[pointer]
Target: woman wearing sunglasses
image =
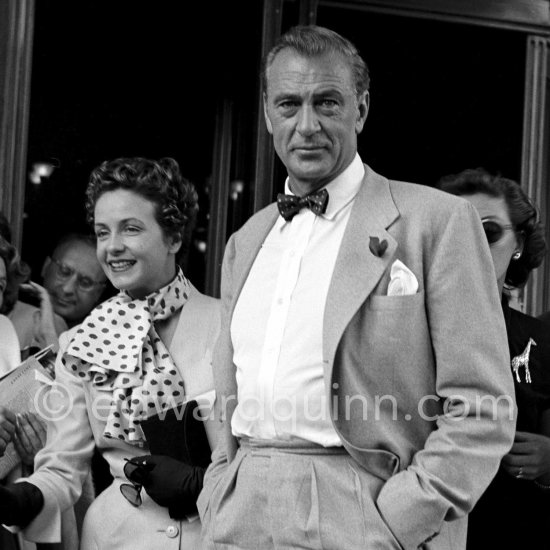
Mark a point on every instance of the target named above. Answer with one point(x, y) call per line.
point(515, 509)
point(137, 355)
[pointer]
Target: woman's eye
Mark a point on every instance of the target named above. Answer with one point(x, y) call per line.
point(101, 234)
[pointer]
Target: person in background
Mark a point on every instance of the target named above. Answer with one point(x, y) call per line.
point(36, 327)
point(514, 510)
point(341, 366)
point(73, 283)
point(26, 432)
point(12, 273)
point(140, 352)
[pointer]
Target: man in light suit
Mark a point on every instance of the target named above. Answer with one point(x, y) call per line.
point(362, 373)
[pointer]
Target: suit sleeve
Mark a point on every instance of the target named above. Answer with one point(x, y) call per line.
point(63, 464)
point(473, 379)
point(222, 368)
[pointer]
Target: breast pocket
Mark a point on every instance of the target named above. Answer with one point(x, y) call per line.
point(391, 303)
point(394, 341)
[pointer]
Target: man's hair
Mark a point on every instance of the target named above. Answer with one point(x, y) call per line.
point(314, 41)
point(74, 237)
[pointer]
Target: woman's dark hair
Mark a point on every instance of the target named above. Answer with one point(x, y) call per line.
point(17, 272)
point(522, 211)
point(175, 198)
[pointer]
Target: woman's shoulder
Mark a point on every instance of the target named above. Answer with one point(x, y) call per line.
point(203, 307)
point(208, 301)
point(524, 326)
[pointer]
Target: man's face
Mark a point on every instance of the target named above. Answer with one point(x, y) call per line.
point(74, 279)
point(314, 115)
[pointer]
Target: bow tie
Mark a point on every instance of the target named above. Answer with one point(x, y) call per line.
point(290, 205)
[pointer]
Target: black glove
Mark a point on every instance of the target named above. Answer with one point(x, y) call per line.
point(172, 484)
point(20, 503)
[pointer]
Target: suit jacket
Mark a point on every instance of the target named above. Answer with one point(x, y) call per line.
point(438, 350)
point(61, 467)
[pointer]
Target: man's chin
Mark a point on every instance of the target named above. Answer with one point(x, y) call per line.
point(64, 310)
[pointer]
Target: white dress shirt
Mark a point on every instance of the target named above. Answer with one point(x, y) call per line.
point(277, 325)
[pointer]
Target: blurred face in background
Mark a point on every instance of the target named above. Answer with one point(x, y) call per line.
point(74, 279)
point(495, 217)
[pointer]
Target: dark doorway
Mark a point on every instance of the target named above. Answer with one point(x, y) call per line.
point(444, 96)
point(130, 78)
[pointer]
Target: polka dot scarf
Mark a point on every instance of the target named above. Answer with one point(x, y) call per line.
point(119, 351)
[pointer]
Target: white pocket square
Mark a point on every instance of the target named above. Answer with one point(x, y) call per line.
point(402, 280)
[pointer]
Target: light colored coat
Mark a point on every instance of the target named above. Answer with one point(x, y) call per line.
point(61, 467)
point(417, 351)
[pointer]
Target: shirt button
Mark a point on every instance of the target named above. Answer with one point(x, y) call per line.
point(279, 301)
point(172, 531)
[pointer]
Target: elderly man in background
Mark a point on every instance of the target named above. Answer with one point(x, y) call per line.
point(73, 284)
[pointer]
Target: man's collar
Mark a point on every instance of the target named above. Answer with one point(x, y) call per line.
point(342, 189)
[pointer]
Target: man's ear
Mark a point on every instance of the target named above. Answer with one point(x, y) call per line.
point(267, 121)
point(45, 265)
point(362, 111)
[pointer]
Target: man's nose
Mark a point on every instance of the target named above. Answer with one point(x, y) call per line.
point(308, 122)
point(70, 285)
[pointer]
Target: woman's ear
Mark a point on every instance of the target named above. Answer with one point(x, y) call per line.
point(175, 243)
point(520, 242)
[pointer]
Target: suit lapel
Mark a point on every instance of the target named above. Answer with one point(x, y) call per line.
point(357, 269)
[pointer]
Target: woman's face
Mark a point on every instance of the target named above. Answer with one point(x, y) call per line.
point(3, 280)
point(131, 246)
point(495, 209)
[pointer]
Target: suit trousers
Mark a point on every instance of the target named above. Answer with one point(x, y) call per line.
point(283, 495)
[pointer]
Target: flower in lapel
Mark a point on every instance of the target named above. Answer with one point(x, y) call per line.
point(377, 246)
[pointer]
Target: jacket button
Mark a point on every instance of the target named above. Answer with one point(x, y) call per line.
point(172, 531)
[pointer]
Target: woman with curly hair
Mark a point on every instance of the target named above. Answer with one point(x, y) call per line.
point(514, 511)
point(139, 354)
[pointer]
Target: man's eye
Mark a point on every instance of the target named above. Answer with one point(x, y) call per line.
point(328, 103)
point(86, 283)
point(101, 233)
point(286, 105)
point(131, 229)
point(65, 271)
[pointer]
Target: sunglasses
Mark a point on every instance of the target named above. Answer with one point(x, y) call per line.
point(134, 470)
point(494, 230)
